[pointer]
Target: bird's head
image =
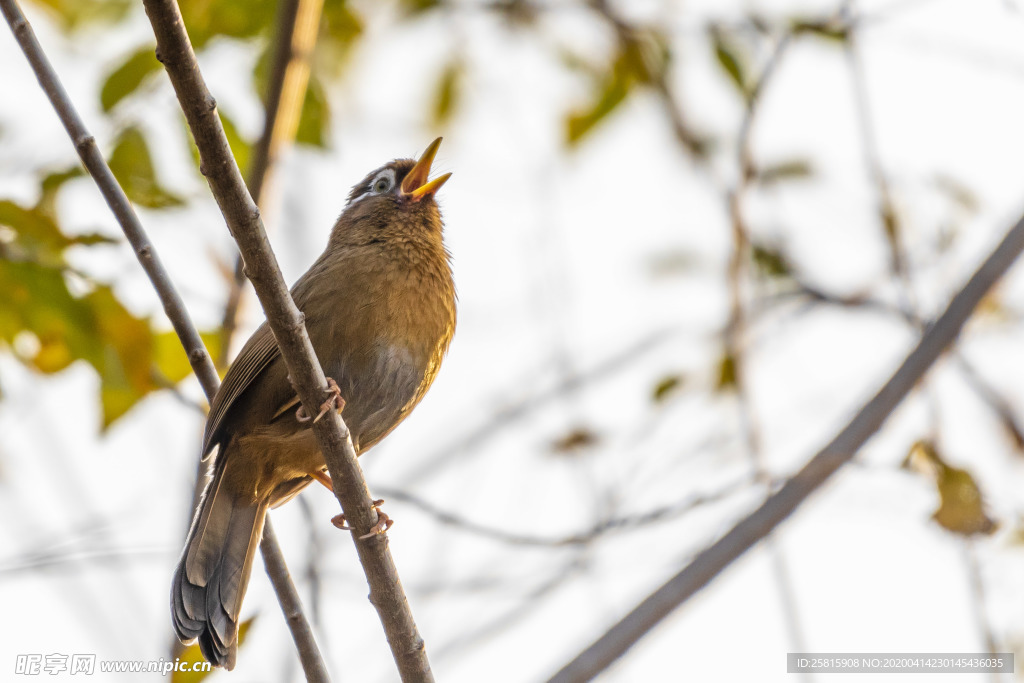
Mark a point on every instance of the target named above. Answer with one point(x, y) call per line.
point(398, 195)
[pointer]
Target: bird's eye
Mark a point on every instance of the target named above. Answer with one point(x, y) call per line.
point(383, 182)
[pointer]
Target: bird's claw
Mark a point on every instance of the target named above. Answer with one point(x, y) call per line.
point(384, 522)
point(334, 401)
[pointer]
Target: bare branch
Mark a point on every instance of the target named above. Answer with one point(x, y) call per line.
point(312, 662)
point(710, 563)
point(662, 513)
point(736, 327)
point(173, 305)
point(286, 322)
point(297, 23)
point(93, 161)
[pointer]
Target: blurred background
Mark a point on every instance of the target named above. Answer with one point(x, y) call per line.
point(690, 239)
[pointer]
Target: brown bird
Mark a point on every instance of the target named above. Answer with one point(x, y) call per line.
point(379, 305)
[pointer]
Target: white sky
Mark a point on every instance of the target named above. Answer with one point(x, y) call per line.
point(552, 257)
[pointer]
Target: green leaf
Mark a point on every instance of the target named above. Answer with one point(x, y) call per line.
point(125, 363)
point(792, 169)
point(731, 61)
point(36, 235)
point(340, 24)
point(95, 328)
point(770, 261)
point(640, 60)
point(125, 79)
point(75, 14)
point(340, 30)
point(835, 31)
point(241, 148)
point(207, 19)
point(133, 167)
point(413, 7)
point(192, 654)
point(726, 372)
point(314, 122)
point(447, 92)
point(579, 123)
point(666, 387)
point(51, 184)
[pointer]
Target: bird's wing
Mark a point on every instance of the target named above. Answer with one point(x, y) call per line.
point(259, 352)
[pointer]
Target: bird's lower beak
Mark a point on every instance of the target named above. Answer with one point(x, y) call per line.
point(415, 184)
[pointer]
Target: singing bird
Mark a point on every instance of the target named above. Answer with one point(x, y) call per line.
point(379, 306)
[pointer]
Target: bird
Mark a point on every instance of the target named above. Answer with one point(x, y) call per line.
point(380, 309)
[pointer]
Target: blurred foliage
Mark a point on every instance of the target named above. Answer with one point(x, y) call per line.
point(574, 441)
point(961, 507)
point(791, 169)
point(640, 58)
point(770, 261)
point(128, 77)
point(447, 92)
point(667, 387)
point(49, 324)
point(733, 60)
point(726, 372)
point(72, 15)
point(132, 165)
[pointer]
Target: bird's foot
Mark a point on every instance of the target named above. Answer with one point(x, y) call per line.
point(324, 478)
point(384, 522)
point(334, 401)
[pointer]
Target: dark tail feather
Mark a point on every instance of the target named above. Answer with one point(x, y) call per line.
point(213, 572)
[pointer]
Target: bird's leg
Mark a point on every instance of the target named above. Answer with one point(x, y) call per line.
point(333, 401)
point(384, 522)
point(324, 478)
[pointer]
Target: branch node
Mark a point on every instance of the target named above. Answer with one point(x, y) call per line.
point(83, 142)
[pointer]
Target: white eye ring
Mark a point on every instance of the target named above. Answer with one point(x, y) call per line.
point(383, 182)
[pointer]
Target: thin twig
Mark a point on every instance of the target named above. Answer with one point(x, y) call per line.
point(473, 440)
point(661, 513)
point(92, 159)
point(735, 331)
point(710, 563)
point(295, 36)
point(302, 633)
point(286, 322)
point(173, 305)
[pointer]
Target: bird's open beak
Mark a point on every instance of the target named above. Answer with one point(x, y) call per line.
point(415, 184)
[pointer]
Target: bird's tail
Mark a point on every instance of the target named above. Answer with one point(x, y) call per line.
point(213, 572)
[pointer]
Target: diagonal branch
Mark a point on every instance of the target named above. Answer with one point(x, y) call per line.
point(173, 305)
point(710, 563)
point(295, 35)
point(243, 220)
point(93, 161)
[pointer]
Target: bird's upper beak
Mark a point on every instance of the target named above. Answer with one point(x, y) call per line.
point(415, 184)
